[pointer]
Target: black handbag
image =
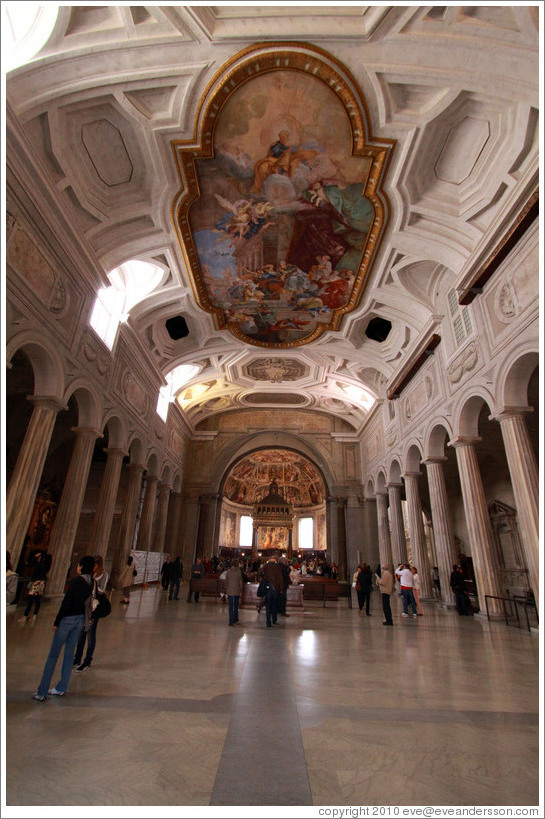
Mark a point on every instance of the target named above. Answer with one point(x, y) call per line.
point(262, 587)
point(104, 607)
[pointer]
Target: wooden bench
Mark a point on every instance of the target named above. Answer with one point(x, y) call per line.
point(321, 588)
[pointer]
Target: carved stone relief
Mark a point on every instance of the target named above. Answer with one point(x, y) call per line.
point(93, 352)
point(134, 393)
point(465, 362)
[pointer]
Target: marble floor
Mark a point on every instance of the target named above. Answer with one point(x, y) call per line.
point(327, 708)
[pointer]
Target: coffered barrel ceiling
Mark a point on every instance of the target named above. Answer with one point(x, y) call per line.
point(153, 125)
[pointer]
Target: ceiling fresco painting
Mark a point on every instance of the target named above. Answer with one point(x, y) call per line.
point(281, 212)
point(299, 481)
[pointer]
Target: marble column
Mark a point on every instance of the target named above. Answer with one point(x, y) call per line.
point(25, 480)
point(332, 530)
point(172, 546)
point(341, 528)
point(524, 473)
point(66, 522)
point(370, 552)
point(145, 529)
point(104, 513)
point(161, 518)
point(416, 533)
point(442, 526)
point(128, 520)
point(384, 542)
point(399, 544)
point(481, 539)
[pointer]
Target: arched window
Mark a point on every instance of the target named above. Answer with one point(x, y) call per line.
point(130, 283)
point(306, 533)
point(175, 379)
point(246, 531)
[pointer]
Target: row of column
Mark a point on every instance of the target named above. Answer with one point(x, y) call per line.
point(523, 470)
point(157, 513)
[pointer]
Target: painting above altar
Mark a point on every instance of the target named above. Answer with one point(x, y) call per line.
point(281, 233)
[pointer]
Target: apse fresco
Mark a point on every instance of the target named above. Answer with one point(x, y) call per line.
point(272, 537)
point(299, 482)
point(286, 220)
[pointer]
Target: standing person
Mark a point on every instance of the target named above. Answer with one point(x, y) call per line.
point(101, 579)
point(176, 573)
point(233, 588)
point(197, 571)
point(458, 585)
point(126, 579)
point(386, 584)
point(436, 580)
point(366, 583)
point(73, 615)
point(407, 584)
point(416, 590)
point(37, 587)
point(283, 596)
point(356, 583)
point(274, 583)
point(165, 574)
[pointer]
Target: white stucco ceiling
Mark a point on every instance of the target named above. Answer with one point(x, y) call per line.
point(456, 87)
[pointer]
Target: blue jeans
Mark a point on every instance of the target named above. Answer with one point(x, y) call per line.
point(66, 635)
point(407, 596)
point(91, 637)
point(233, 601)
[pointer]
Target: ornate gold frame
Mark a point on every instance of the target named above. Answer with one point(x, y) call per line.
point(249, 63)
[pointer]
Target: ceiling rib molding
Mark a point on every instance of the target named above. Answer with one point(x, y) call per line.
point(416, 359)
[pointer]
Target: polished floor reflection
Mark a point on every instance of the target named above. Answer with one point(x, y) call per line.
point(326, 708)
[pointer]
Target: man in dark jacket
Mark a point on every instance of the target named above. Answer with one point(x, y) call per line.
point(283, 597)
point(74, 614)
point(176, 573)
point(274, 585)
point(165, 573)
point(458, 585)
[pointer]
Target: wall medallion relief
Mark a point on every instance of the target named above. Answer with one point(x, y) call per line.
point(134, 393)
point(93, 352)
point(466, 362)
point(506, 302)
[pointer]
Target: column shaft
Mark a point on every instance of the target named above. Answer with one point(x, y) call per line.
point(25, 480)
point(104, 513)
point(173, 524)
point(416, 533)
point(68, 513)
point(384, 542)
point(399, 544)
point(161, 518)
point(524, 473)
point(479, 528)
point(148, 513)
point(442, 527)
point(128, 520)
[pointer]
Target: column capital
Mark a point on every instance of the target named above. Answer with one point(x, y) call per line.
point(434, 459)
point(164, 487)
point(135, 467)
point(464, 440)
point(394, 485)
point(510, 412)
point(411, 474)
point(381, 493)
point(48, 402)
point(116, 451)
